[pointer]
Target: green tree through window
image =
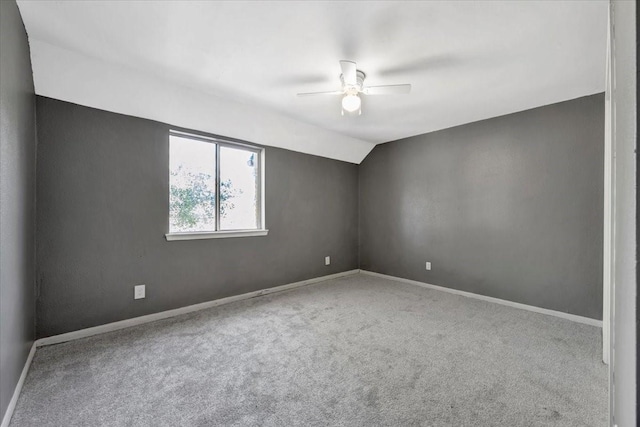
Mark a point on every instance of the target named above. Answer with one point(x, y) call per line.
point(194, 202)
point(201, 170)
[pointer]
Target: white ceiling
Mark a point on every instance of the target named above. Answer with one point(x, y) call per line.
point(233, 68)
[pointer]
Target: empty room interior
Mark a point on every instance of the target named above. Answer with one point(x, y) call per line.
point(313, 213)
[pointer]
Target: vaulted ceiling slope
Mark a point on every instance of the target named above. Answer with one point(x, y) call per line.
point(234, 68)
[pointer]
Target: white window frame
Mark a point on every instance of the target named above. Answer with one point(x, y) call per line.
point(221, 234)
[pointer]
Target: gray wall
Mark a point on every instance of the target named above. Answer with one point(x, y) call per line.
point(103, 185)
point(509, 207)
point(17, 200)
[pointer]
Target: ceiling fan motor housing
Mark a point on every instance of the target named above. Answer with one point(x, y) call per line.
point(360, 76)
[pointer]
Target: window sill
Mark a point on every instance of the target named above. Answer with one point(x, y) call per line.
point(215, 235)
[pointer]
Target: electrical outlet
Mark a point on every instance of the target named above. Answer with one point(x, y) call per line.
point(327, 260)
point(139, 292)
point(428, 265)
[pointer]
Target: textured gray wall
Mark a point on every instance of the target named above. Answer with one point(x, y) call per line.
point(637, 210)
point(103, 185)
point(509, 207)
point(17, 201)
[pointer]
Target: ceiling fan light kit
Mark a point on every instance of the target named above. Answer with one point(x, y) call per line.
point(352, 81)
point(351, 103)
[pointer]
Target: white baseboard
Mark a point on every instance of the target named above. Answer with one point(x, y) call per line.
point(110, 327)
point(16, 392)
point(573, 317)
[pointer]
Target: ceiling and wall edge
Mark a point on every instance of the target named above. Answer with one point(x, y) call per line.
point(186, 65)
point(69, 76)
point(62, 74)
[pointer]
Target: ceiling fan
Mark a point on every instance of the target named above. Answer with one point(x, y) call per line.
point(353, 85)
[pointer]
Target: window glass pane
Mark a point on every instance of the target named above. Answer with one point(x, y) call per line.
point(192, 185)
point(238, 189)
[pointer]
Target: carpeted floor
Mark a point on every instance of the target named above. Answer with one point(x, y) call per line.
point(356, 351)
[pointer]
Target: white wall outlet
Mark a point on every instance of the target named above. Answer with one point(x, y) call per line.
point(428, 265)
point(327, 260)
point(139, 292)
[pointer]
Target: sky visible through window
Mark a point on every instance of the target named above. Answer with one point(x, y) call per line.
point(239, 167)
point(193, 187)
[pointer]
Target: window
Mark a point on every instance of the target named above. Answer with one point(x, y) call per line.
point(215, 188)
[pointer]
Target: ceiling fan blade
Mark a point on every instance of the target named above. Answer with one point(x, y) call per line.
point(386, 89)
point(349, 72)
point(333, 92)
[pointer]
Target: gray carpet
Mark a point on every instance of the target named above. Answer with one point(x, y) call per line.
point(356, 351)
